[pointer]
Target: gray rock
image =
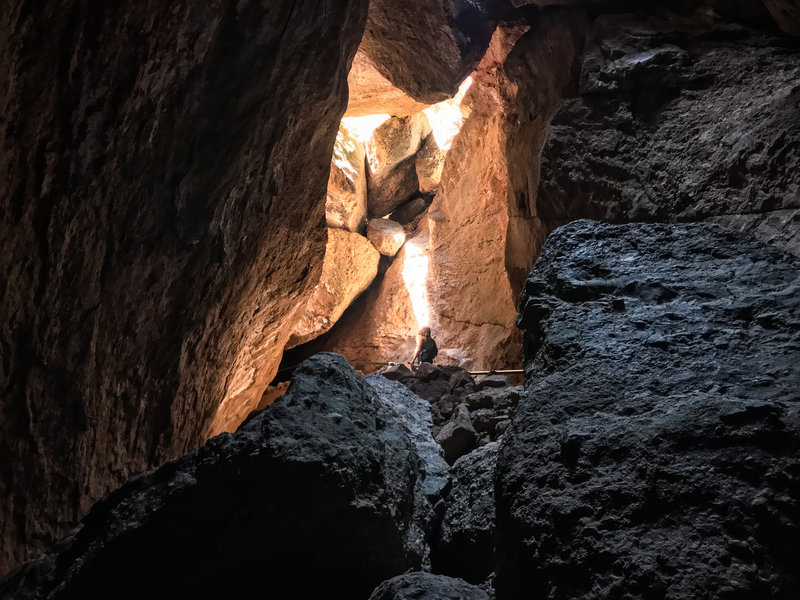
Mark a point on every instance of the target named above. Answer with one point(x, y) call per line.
point(668, 470)
point(460, 379)
point(426, 586)
point(414, 414)
point(323, 482)
point(457, 437)
point(397, 372)
point(466, 544)
point(778, 227)
point(482, 420)
point(492, 381)
point(500, 398)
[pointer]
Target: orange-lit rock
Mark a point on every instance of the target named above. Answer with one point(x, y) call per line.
point(371, 93)
point(429, 165)
point(386, 235)
point(351, 263)
point(394, 141)
point(346, 206)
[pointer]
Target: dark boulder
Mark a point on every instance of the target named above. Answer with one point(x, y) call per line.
point(324, 482)
point(426, 586)
point(656, 453)
point(457, 436)
point(466, 545)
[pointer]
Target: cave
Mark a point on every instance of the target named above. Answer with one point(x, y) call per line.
point(225, 225)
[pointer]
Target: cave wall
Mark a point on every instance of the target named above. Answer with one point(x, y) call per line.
point(162, 189)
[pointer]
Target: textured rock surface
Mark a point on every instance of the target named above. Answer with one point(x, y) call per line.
point(428, 47)
point(386, 235)
point(675, 121)
point(394, 141)
point(350, 265)
point(392, 189)
point(414, 414)
point(657, 451)
point(429, 165)
point(778, 227)
point(786, 14)
point(151, 187)
point(372, 94)
point(325, 479)
point(409, 211)
point(346, 204)
point(466, 545)
point(426, 586)
point(457, 436)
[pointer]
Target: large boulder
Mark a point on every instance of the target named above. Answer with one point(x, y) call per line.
point(161, 231)
point(350, 266)
point(395, 140)
point(466, 544)
point(428, 47)
point(427, 586)
point(669, 126)
point(372, 94)
point(346, 204)
point(325, 482)
point(657, 450)
point(386, 235)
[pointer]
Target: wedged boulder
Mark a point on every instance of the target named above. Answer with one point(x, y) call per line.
point(656, 452)
point(429, 165)
point(427, 586)
point(161, 231)
point(427, 48)
point(409, 211)
point(669, 127)
point(372, 94)
point(394, 141)
point(457, 436)
point(466, 545)
point(346, 204)
point(350, 266)
point(386, 235)
point(323, 482)
point(392, 189)
point(414, 414)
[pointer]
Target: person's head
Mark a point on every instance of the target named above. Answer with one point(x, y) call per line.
point(425, 332)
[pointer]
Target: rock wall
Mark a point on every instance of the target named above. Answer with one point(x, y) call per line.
point(655, 452)
point(160, 230)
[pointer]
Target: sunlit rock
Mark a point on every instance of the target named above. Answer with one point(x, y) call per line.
point(386, 235)
point(371, 93)
point(429, 164)
point(350, 265)
point(394, 141)
point(346, 204)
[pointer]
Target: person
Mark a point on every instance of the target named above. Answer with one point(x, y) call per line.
point(426, 347)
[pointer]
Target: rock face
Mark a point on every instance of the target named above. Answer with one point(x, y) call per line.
point(657, 451)
point(151, 187)
point(346, 204)
point(675, 121)
point(426, 586)
point(786, 14)
point(325, 479)
point(428, 47)
point(466, 544)
point(350, 265)
point(386, 235)
point(372, 94)
point(780, 228)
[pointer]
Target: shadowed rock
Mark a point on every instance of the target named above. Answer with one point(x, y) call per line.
point(426, 586)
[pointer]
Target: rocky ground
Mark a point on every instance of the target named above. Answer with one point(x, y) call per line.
point(653, 453)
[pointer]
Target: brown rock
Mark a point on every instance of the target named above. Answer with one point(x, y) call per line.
point(386, 235)
point(160, 230)
point(786, 13)
point(409, 211)
point(428, 47)
point(350, 266)
point(371, 93)
point(394, 141)
point(393, 189)
point(429, 164)
point(346, 206)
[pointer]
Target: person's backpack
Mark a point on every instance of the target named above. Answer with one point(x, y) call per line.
point(429, 349)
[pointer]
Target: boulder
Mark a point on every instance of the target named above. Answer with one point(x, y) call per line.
point(492, 381)
point(428, 47)
point(656, 452)
point(346, 204)
point(323, 481)
point(457, 437)
point(161, 231)
point(394, 141)
point(372, 94)
point(778, 227)
point(466, 545)
point(392, 189)
point(429, 164)
point(498, 398)
point(786, 14)
point(414, 414)
point(410, 210)
point(386, 235)
point(697, 130)
point(350, 266)
point(427, 586)
point(397, 372)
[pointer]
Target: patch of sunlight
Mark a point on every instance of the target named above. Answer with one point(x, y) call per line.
point(446, 118)
point(415, 276)
point(361, 128)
